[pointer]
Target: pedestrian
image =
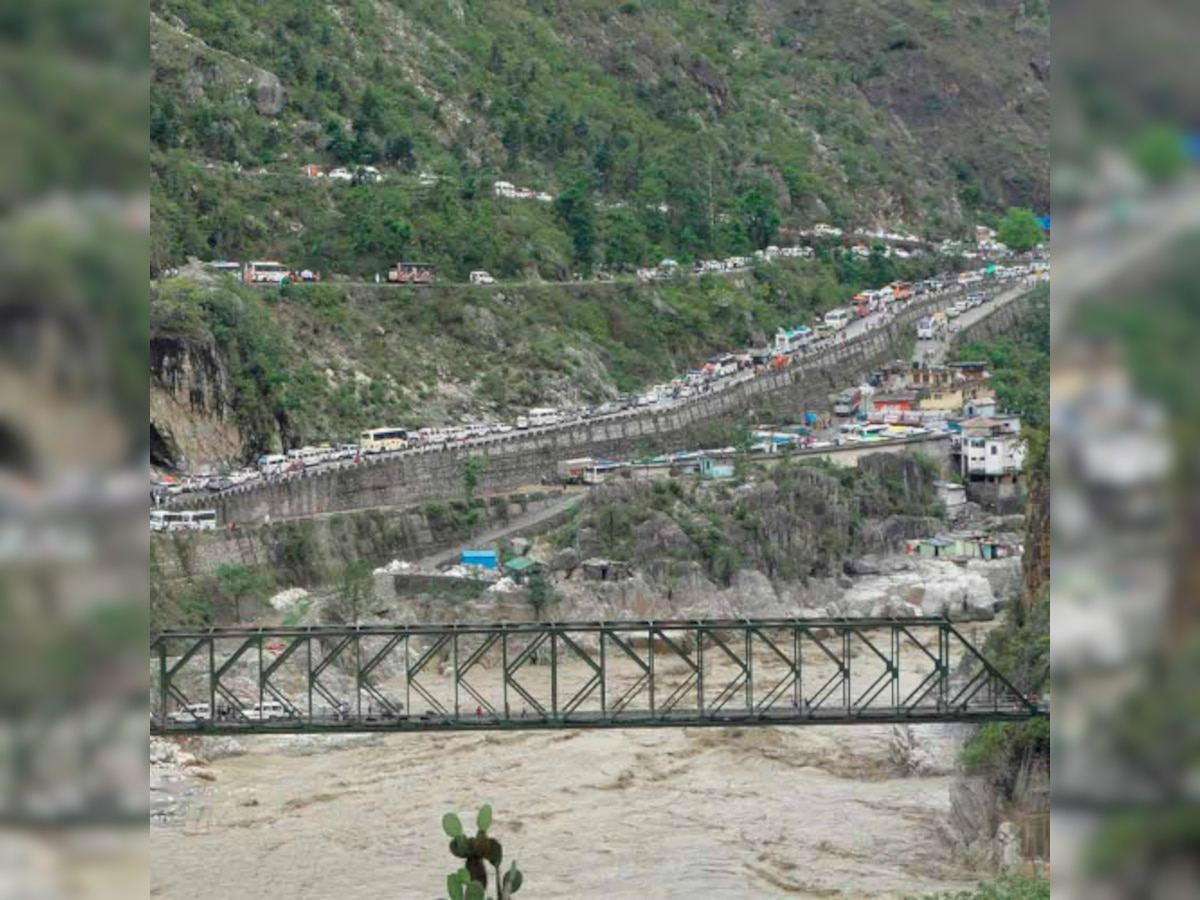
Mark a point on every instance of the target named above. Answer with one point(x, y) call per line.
point(479, 712)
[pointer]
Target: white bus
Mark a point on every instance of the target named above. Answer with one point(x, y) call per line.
point(266, 272)
point(383, 440)
point(837, 319)
point(164, 519)
point(543, 416)
point(195, 520)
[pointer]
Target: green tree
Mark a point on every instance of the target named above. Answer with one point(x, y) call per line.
point(238, 584)
point(577, 212)
point(541, 593)
point(1019, 230)
point(759, 213)
point(471, 470)
point(1160, 153)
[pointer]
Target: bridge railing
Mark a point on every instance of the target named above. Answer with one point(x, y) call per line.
point(575, 675)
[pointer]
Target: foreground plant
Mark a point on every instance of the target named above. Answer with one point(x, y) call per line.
point(471, 881)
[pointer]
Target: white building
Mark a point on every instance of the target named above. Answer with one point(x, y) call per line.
point(981, 406)
point(992, 450)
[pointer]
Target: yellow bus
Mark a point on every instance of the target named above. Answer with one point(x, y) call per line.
point(383, 440)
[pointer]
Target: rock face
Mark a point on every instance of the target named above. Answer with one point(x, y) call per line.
point(974, 819)
point(191, 413)
point(270, 97)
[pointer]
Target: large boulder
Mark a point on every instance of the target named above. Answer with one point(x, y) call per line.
point(269, 94)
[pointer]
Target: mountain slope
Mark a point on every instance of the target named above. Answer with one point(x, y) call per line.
point(738, 116)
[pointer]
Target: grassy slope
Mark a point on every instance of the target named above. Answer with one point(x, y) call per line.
point(858, 111)
point(434, 355)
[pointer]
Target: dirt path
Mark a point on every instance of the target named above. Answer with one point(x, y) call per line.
point(515, 526)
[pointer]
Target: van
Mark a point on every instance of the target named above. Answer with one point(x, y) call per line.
point(190, 714)
point(271, 462)
point(481, 277)
point(266, 711)
point(837, 319)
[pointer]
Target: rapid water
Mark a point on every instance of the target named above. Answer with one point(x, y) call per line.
point(715, 813)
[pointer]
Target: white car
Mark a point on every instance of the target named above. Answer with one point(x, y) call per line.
point(482, 277)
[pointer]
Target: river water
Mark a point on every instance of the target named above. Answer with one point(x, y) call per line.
point(756, 812)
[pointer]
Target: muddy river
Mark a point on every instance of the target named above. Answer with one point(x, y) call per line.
point(756, 812)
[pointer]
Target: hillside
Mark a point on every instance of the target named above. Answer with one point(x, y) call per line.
point(237, 371)
point(663, 127)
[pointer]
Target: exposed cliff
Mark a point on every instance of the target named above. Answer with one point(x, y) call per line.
point(191, 416)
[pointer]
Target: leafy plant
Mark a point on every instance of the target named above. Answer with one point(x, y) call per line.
point(470, 882)
point(471, 470)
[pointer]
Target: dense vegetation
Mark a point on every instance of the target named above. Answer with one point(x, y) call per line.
point(1020, 365)
point(663, 127)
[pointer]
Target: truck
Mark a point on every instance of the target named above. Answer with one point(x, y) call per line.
point(847, 402)
point(574, 471)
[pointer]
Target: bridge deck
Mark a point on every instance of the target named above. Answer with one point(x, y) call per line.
point(531, 676)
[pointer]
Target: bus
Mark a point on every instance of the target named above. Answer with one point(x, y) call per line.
point(383, 440)
point(165, 520)
point(544, 416)
point(195, 520)
point(837, 319)
point(266, 273)
point(412, 273)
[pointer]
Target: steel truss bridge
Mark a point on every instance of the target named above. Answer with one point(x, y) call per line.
point(628, 674)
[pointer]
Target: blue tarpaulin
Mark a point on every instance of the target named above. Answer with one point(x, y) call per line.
point(1044, 221)
point(486, 559)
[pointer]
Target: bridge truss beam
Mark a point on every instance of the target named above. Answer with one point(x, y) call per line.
point(626, 674)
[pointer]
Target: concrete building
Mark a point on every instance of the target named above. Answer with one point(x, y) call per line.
point(991, 458)
point(981, 406)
